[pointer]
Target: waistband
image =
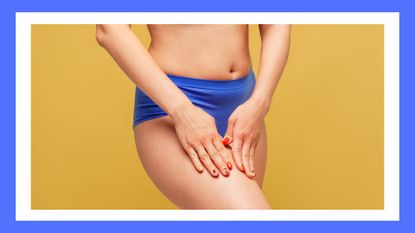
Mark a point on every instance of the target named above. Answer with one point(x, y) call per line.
point(213, 84)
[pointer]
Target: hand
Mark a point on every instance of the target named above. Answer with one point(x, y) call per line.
point(244, 126)
point(199, 137)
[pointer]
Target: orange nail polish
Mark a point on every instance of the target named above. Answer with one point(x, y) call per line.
point(229, 165)
point(227, 173)
point(225, 141)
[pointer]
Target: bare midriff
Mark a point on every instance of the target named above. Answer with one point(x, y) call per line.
point(215, 52)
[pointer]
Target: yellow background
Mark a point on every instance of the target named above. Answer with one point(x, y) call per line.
point(325, 126)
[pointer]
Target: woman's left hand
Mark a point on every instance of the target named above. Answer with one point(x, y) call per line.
point(244, 126)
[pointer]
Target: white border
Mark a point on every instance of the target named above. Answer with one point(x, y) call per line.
point(23, 113)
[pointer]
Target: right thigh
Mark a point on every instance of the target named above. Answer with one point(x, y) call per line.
point(171, 170)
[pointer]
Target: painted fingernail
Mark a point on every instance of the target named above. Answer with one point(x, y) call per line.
point(243, 168)
point(214, 172)
point(229, 165)
point(225, 141)
point(226, 172)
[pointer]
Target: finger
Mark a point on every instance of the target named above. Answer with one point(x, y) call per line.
point(237, 153)
point(195, 159)
point(251, 159)
point(216, 157)
point(228, 138)
point(205, 159)
point(226, 141)
point(245, 157)
point(226, 156)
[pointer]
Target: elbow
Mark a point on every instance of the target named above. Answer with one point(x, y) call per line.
point(100, 35)
point(276, 29)
point(106, 31)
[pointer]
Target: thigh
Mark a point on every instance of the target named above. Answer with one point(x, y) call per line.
point(260, 156)
point(172, 172)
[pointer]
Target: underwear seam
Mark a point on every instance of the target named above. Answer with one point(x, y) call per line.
point(159, 114)
point(206, 88)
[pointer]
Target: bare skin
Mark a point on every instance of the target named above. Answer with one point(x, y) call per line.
point(173, 173)
point(188, 135)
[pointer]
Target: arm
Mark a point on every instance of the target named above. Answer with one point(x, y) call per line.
point(195, 128)
point(245, 122)
point(133, 58)
point(274, 54)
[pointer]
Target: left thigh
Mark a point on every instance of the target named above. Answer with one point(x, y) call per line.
point(173, 173)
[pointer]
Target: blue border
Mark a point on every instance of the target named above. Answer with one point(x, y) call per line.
point(7, 113)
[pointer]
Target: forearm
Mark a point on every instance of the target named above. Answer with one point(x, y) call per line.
point(274, 54)
point(136, 62)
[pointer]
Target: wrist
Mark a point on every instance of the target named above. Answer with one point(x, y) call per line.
point(176, 108)
point(261, 102)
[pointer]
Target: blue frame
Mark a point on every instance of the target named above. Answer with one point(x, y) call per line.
point(7, 114)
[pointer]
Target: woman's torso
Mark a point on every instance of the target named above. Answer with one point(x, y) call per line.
point(217, 52)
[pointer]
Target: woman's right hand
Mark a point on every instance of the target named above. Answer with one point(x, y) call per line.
point(197, 133)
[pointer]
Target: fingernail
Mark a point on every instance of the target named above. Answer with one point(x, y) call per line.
point(200, 169)
point(243, 168)
point(214, 172)
point(225, 141)
point(253, 172)
point(229, 165)
point(226, 172)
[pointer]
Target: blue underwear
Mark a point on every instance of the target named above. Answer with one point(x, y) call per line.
point(219, 98)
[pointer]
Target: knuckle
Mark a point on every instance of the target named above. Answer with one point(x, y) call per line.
point(192, 143)
point(221, 150)
point(238, 149)
point(212, 133)
point(246, 159)
point(248, 139)
point(208, 135)
point(203, 156)
point(192, 155)
point(245, 153)
point(203, 138)
point(240, 134)
point(225, 153)
point(186, 146)
point(214, 155)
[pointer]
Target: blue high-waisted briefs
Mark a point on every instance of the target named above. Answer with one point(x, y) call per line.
point(219, 98)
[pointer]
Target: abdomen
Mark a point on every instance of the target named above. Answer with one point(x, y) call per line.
point(217, 52)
